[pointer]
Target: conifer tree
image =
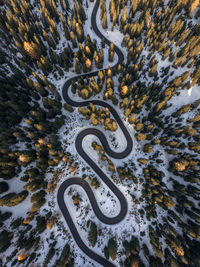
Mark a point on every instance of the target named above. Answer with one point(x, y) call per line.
point(112, 248)
point(65, 254)
point(105, 21)
point(124, 16)
point(92, 236)
point(77, 66)
point(32, 50)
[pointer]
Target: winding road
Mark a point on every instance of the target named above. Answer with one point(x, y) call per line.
point(91, 163)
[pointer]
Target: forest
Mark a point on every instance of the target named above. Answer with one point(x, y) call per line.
point(140, 80)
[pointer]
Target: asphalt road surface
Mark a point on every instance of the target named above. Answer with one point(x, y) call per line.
point(78, 143)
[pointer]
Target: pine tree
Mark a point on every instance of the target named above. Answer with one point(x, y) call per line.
point(124, 16)
point(103, 42)
point(111, 52)
point(196, 76)
point(38, 204)
point(40, 89)
point(88, 65)
point(153, 70)
point(3, 187)
point(73, 39)
point(105, 21)
point(92, 235)
point(32, 50)
point(12, 199)
point(77, 66)
point(37, 196)
point(112, 248)
point(68, 107)
point(192, 6)
point(64, 257)
point(80, 33)
point(5, 238)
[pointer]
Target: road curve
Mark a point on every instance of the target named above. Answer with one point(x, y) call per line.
point(91, 163)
